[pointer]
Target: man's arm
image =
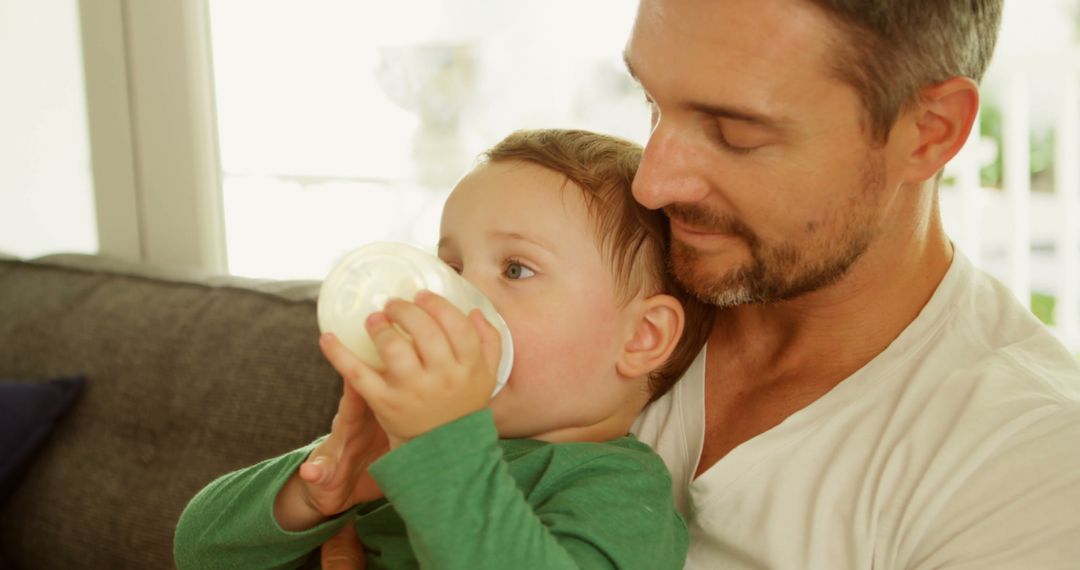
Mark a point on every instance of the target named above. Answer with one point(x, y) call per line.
point(343, 551)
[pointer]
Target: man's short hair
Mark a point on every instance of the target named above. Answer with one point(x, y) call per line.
point(892, 49)
point(633, 239)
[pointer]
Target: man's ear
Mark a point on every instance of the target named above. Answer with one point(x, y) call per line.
point(939, 126)
point(657, 327)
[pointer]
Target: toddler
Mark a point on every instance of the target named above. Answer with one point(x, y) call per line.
point(543, 475)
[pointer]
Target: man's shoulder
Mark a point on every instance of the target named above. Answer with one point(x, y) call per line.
point(992, 339)
point(1034, 364)
point(1003, 394)
point(1033, 377)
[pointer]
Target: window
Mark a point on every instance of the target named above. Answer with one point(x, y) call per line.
point(46, 189)
point(1012, 196)
point(342, 123)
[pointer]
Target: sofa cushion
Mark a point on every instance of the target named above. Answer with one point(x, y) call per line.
point(187, 378)
point(28, 411)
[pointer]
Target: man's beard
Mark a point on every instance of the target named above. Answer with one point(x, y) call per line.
point(775, 271)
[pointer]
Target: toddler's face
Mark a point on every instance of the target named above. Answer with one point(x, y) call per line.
point(523, 235)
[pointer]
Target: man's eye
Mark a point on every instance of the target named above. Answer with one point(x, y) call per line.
point(736, 149)
point(738, 137)
point(517, 270)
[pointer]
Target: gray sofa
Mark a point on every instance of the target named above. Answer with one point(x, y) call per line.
point(187, 378)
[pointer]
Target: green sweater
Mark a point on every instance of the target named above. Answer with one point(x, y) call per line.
point(459, 498)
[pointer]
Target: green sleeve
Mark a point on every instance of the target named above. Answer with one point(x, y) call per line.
point(463, 508)
point(231, 524)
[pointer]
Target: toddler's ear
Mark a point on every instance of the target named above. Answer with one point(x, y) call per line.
point(657, 326)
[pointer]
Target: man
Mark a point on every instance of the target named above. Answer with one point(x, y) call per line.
point(867, 399)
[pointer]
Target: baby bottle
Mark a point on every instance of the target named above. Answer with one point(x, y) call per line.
point(369, 276)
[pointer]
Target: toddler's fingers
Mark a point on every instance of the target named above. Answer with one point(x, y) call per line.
point(341, 358)
point(367, 382)
point(397, 352)
point(490, 342)
point(461, 335)
point(428, 337)
point(357, 375)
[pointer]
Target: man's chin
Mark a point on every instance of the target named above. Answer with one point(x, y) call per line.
point(723, 296)
point(699, 279)
point(703, 275)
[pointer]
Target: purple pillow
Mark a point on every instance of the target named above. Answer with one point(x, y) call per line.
point(28, 412)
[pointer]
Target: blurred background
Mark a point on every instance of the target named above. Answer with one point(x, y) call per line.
point(266, 138)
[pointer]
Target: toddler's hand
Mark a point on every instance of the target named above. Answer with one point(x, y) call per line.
point(446, 370)
point(335, 475)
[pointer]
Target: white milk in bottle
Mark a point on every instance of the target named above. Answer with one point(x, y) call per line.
point(369, 276)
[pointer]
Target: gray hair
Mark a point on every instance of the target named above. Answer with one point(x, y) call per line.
point(892, 49)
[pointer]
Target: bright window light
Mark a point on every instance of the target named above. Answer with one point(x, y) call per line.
point(342, 123)
point(46, 186)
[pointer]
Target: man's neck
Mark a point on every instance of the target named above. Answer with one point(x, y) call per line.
point(768, 361)
point(844, 325)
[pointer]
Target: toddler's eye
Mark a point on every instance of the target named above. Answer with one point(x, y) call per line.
point(517, 270)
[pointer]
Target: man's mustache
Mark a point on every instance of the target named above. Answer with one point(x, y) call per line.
point(702, 219)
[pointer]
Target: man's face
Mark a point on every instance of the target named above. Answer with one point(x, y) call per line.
point(760, 157)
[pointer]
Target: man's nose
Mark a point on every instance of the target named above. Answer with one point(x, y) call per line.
point(668, 172)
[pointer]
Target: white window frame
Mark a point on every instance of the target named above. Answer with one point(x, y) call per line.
point(153, 132)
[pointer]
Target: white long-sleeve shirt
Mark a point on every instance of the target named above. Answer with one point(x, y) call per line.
point(956, 447)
